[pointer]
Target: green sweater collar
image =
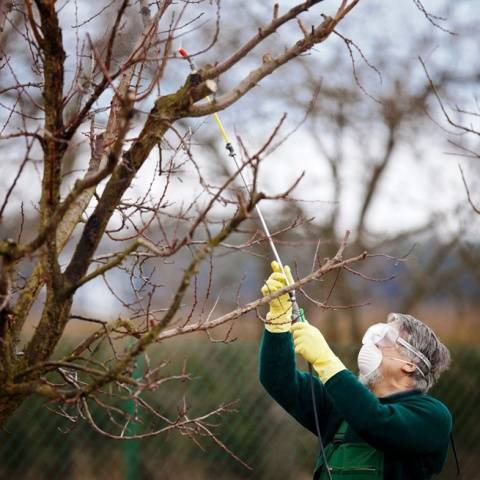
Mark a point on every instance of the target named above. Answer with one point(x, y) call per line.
point(395, 397)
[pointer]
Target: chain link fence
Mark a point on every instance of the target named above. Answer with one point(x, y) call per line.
point(37, 444)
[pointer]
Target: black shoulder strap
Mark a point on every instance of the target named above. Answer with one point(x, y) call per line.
point(455, 455)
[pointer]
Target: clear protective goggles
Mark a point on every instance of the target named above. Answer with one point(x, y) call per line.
point(385, 335)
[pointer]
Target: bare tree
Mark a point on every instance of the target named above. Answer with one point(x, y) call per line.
point(99, 213)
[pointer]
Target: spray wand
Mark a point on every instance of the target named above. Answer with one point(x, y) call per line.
point(297, 312)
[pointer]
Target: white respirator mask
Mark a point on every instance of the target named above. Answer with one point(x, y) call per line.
point(369, 359)
point(370, 356)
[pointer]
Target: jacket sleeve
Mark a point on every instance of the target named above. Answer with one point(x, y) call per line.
point(290, 387)
point(419, 424)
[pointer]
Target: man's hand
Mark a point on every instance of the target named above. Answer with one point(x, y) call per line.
point(312, 346)
point(279, 317)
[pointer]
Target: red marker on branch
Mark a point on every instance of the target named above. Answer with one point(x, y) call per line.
point(183, 53)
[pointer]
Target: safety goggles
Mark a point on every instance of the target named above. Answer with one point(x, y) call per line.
point(384, 335)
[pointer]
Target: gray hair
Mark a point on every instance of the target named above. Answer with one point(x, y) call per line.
point(423, 338)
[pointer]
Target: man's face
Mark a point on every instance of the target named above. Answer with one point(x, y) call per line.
point(394, 364)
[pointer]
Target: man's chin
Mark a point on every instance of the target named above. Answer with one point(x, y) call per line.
point(370, 380)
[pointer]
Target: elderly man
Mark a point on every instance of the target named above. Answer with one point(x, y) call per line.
point(381, 425)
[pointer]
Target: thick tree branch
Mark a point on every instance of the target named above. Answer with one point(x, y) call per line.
point(55, 317)
point(29, 388)
point(262, 34)
point(166, 110)
point(51, 44)
point(316, 36)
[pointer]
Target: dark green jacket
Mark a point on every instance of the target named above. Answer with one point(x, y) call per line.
point(412, 429)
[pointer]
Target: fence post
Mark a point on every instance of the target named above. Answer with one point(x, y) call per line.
point(131, 448)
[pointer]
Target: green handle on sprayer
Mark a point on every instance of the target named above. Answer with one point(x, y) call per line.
point(301, 315)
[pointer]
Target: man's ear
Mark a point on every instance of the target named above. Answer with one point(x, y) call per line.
point(409, 368)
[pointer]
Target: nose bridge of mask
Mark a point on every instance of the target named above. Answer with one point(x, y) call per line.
point(380, 334)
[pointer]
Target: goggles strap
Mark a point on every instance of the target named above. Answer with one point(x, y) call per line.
point(406, 361)
point(413, 350)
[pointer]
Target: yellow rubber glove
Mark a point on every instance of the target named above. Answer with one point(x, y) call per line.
point(312, 346)
point(279, 317)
